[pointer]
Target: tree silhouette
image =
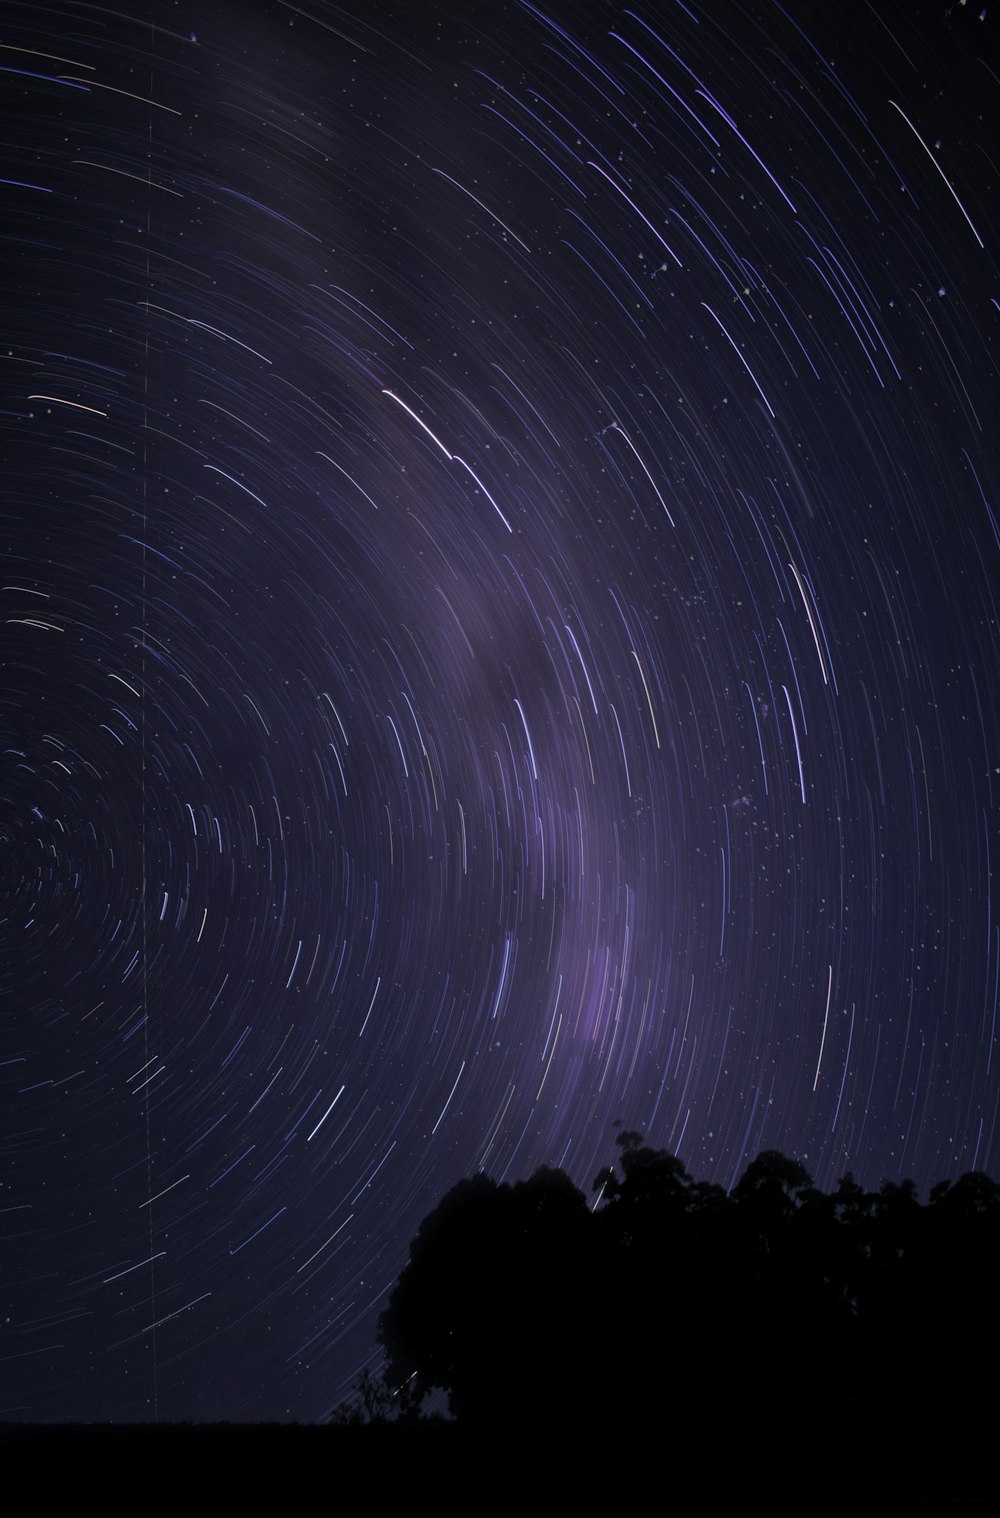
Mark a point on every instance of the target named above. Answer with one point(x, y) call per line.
point(373, 1400)
point(670, 1297)
point(487, 1306)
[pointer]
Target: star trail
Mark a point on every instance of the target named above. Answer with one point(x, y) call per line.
point(500, 559)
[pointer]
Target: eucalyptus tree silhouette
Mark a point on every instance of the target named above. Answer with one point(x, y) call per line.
point(489, 1306)
point(671, 1300)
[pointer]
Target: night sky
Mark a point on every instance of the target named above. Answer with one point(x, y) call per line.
point(500, 531)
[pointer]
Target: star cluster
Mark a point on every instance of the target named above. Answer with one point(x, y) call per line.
point(499, 636)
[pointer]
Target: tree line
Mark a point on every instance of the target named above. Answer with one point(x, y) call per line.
point(668, 1300)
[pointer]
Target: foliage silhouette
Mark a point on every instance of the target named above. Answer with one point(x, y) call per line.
point(374, 1401)
point(532, 1310)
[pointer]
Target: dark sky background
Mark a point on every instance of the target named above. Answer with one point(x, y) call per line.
point(500, 530)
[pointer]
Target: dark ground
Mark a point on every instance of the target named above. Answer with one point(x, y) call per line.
point(861, 1458)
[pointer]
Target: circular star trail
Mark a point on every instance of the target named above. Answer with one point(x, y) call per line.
point(500, 548)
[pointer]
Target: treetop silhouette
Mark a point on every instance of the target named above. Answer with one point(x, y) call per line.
point(529, 1308)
